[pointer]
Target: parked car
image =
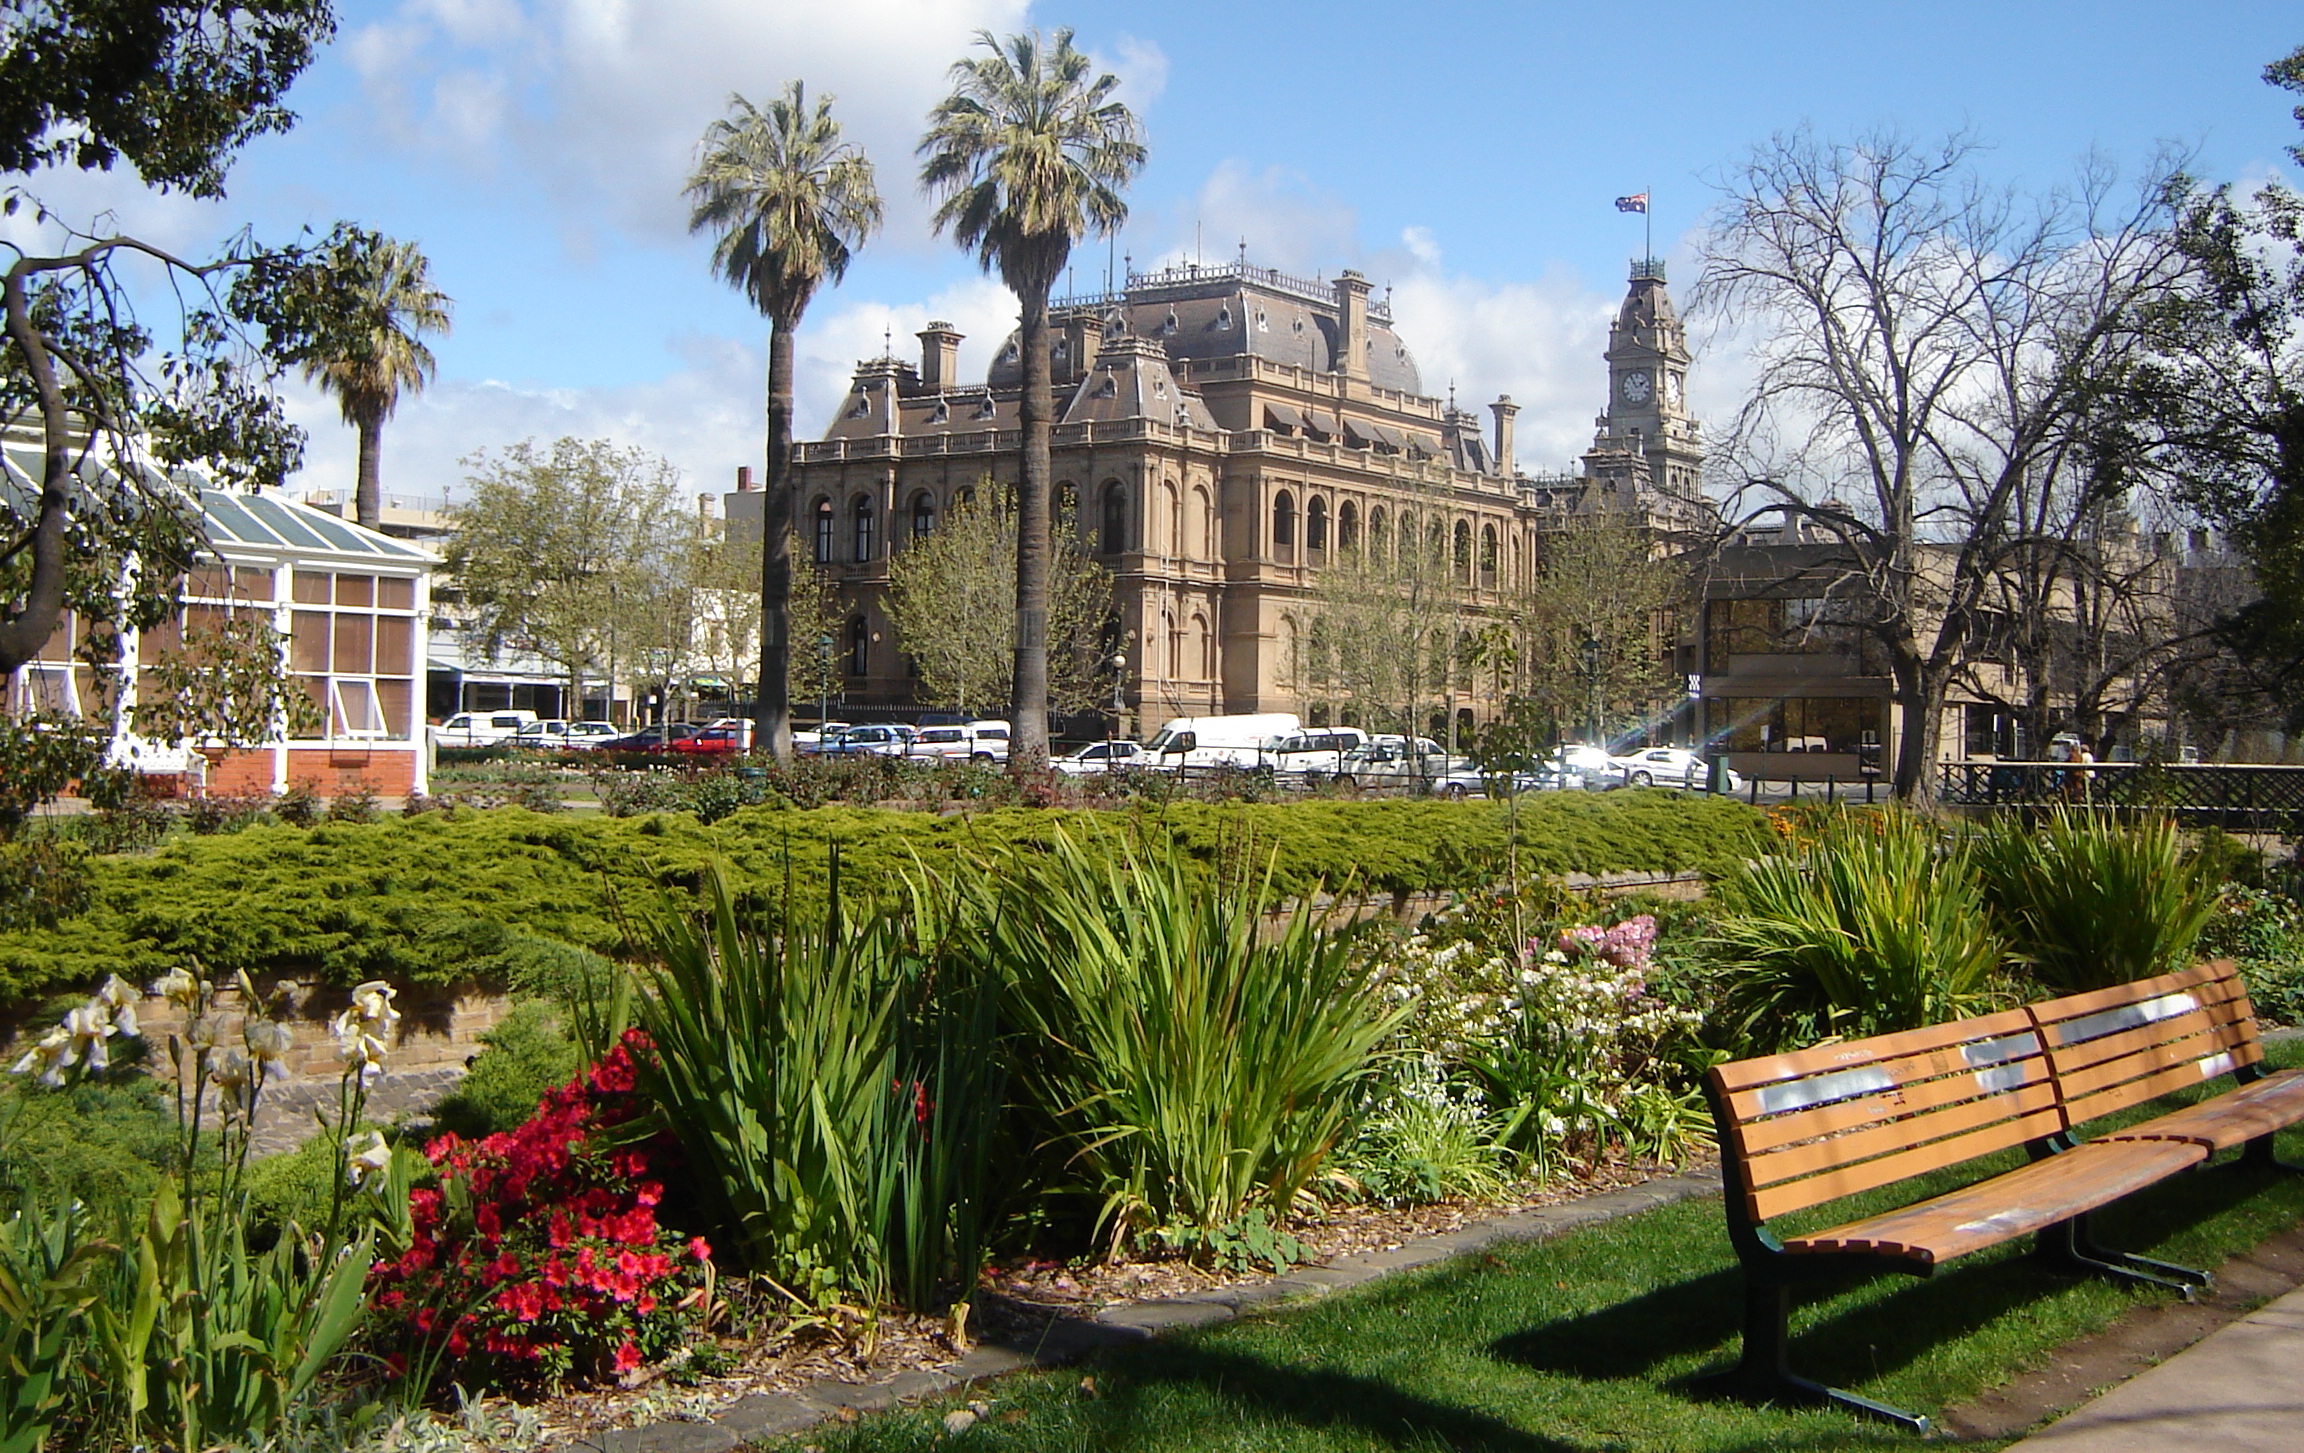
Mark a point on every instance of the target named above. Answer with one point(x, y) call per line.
point(1316, 752)
point(591, 735)
point(808, 744)
point(871, 741)
point(553, 733)
point(651, 738)
point(1242, 740)
point(1100, 757)
point(1389, 762)
point(1589, 767)
point(1469, 781)
point(1670, 767)
point(714, 741)
point(978, 741)
point(481, 728)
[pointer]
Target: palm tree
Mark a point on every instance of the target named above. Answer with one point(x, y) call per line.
point(1028, 155)
point(387, 288)
point(791, 203)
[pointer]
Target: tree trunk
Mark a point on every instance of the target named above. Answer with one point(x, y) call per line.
point(368, 494)
point(41, 604)
point(1920, 691)
point(772, 711)
point(1028, 700)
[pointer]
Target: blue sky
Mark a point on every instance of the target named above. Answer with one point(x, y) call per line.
point(1467, 155)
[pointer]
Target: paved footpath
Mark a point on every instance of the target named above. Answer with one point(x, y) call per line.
point(2240, 1390)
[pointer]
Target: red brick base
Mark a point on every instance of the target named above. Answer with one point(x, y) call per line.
point(387, 771)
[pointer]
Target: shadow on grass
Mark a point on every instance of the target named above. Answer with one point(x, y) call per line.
point(1852, 1340)
point(1309, 1398)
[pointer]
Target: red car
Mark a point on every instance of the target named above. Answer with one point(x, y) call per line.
point(712, 742)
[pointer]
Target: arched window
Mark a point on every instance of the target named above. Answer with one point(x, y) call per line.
point(823, 531)
point(1206, 513)
point(1463, 551)
point(1283, 520)
point(1347, 526)
point(1175, 642)
point(1172, 517)
point(1488, 556)
point(1408, 539)
point(865, 527)
point(923, 516)
point(1316, 526)
point(1379, 534)
point(1436, 545)
point(1114, 538)
point(859, 648)
point(1203, 659)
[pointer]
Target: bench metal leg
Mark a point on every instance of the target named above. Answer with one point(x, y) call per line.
point(2257, 1155)
point(2069, 1246)
point(1764, 1375)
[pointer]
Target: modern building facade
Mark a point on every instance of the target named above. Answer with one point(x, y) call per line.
point(1220, 432)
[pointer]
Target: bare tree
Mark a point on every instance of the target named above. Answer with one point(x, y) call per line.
point(1926, 345)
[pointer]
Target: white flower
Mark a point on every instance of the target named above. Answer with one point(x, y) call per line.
point(358, 1049)
point(373, 1002)
point(235, 1083)
point(203, 1032)
point(89, 1027)
point(121, 999)
point(268, 1040)
point(364, 1164)
point(52, 1055)
point(179, 987)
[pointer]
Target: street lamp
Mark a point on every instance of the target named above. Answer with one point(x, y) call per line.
point(1119, 668)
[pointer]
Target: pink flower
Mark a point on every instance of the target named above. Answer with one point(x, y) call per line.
point(627, 1356)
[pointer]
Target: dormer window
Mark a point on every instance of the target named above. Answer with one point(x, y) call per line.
point(1059, 351)
point(984, 408)
point(1263, 322)
point(1299, 322)
point(1013, 354)
point(1109, 388)
point(863, 405)
point(1224, 318)
point(1159, 388)
point(1169, 327)
point(941, 414)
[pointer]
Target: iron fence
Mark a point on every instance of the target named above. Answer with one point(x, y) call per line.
point(2246, 798)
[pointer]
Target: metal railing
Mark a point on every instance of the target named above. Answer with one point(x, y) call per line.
point(2246, 797)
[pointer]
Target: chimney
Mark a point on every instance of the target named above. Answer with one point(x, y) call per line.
point(939, 357)
point(704, 506)
point(1504, 409)
point(1352, 325)
point(744, 484)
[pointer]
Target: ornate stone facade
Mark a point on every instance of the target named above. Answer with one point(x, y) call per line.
point(1220, 431)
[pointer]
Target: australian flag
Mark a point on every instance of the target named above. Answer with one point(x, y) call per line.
point(1637, 202)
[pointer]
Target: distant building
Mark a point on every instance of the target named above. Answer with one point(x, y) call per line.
point(353, 609)
point(1219, 431)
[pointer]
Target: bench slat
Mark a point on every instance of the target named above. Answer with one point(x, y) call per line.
point(2007, 1206)
point(2233, 1118)
point(1774, 1167)
point(1802, 1108)
point(2072, 1006)
point(1850, 1054)
point(1759, 1137)
point(2105, 1054)
point(1903, 1165)
point(2206, 1042)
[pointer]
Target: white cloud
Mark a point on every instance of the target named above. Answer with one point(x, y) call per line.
point(602, 101)
point(978, 308)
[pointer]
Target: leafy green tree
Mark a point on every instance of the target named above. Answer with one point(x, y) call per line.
point(1028, 155)
point(2226, 396)
point(386, 297)
point(790, 202)
point(175, 88)
point(554, 551)
point(947, 596)
point(226, 684)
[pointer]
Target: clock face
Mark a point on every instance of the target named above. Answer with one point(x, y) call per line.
point(1637, 387)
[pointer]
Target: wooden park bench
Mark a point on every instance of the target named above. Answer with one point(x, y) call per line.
point(1800, 1129)
point(2112, 1049)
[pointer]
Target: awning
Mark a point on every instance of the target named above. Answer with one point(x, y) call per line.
point(1393, 438)
point(1359, 433)
point(1280, 416)
point(1320, 426)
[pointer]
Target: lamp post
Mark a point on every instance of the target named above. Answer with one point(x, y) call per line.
point(1592, 688)
point(1119, 666)
point(823, 685)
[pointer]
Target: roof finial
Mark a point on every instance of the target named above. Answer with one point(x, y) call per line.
point(888, 341)
point(1451, 395)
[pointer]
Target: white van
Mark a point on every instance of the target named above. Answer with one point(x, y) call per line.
point(481, 728)
point(978, 741)
point(1246, 740)
point(1317, 751)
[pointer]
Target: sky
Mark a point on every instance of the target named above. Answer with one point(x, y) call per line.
point(1464, 156)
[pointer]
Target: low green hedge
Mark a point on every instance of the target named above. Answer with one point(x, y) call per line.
point(498, 896)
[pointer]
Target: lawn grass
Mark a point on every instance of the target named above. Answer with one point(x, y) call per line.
point(1591, 1342)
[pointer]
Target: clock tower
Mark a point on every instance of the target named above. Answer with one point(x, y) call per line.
point(1647, 440)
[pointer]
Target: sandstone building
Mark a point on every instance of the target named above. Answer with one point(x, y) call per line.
point(1221, 430)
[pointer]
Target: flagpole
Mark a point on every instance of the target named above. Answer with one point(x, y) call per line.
point(1648, 230)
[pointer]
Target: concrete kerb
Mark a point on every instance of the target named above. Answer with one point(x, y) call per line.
point(759, 1416)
